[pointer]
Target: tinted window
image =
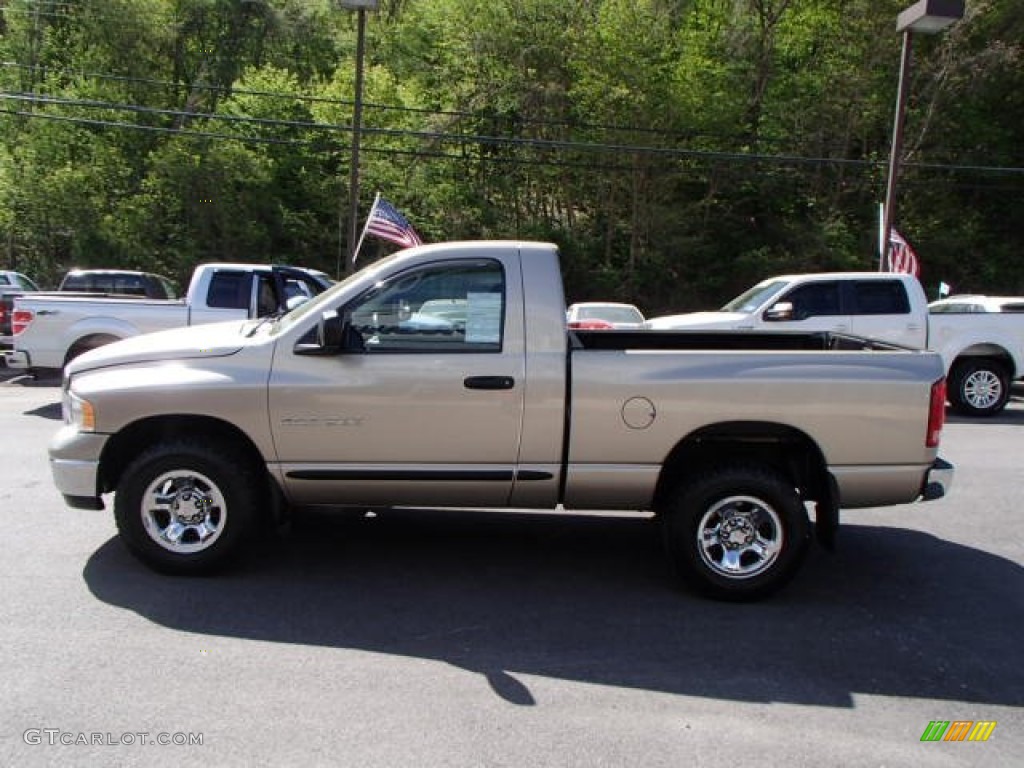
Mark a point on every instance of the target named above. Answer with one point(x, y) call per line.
point(131, 285)
point(229, 290)
point(454, 307)
point(814, 299)
point(75, 283)
point(266, 296)
point(880, 297)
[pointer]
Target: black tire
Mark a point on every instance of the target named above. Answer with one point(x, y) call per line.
point(211, 504)
point(738, 533)
point(978, 387)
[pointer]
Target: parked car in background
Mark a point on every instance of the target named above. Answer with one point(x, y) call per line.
point(12, 285)
point(50, 329)
point(118, 282)
point(976, 304)
point(603, 315)
point(16, 281)
point(983, 350)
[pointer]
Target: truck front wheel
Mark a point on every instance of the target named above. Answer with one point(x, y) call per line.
point(737, 533)
point(978, 387)
point(185, 508)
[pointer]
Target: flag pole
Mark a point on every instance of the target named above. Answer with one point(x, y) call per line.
point(362, 235)
point(881, 237)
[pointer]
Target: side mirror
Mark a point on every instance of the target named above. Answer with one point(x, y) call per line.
point(331, 336)
point(780, 312)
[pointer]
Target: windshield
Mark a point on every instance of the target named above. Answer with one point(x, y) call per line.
point(755, 297)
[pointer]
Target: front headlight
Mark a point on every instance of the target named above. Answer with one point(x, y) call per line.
point(78, 412)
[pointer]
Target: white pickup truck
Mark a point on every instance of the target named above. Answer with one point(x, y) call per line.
point(445, 376)
point(982, 353)
point(51, 329)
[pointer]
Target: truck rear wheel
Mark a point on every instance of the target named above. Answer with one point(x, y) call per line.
point(186, 508)
point(978, 387)
point(739, 533)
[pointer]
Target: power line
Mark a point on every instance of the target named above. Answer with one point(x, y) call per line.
point(547, 145)
point(496, 117)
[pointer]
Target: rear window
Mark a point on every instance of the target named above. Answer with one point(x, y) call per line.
point(229, 290)
point(880, 297)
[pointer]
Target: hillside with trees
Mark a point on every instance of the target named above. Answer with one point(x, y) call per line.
point(676, 150)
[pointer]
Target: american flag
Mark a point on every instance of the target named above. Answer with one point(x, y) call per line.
point(901, 256)
point(387, 223)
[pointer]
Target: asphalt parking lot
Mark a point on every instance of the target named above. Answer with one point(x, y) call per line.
point(431, 638)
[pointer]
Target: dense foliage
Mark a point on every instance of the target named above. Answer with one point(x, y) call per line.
point(676, 150)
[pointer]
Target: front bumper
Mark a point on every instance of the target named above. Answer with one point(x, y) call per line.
point(75, 465)
point(937, 481)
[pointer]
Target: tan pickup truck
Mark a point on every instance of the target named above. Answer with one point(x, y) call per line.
point(445, 376)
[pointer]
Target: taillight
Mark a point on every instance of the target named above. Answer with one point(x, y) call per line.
point(936, 414)
point(20, 320)
point(591, 325)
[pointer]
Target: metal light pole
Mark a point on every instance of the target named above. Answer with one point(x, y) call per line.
point(927, 17)
point(361, 6)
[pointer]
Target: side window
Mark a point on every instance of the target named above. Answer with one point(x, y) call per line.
point(266, 296)
point(814, 299)
point(298, 290)
point(229, 290)
point(880, 297)
point(449, 307)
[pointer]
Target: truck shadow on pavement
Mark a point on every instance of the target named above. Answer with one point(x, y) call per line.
point(894, 612)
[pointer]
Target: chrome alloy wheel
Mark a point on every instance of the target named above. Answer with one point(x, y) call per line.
point(183, 511)
point(739, 537)
point(982, 389)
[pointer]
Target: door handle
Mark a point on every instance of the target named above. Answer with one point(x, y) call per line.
point(43, 312)
point(489, 382)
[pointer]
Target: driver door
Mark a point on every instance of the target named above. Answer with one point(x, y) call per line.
point(429, 413)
